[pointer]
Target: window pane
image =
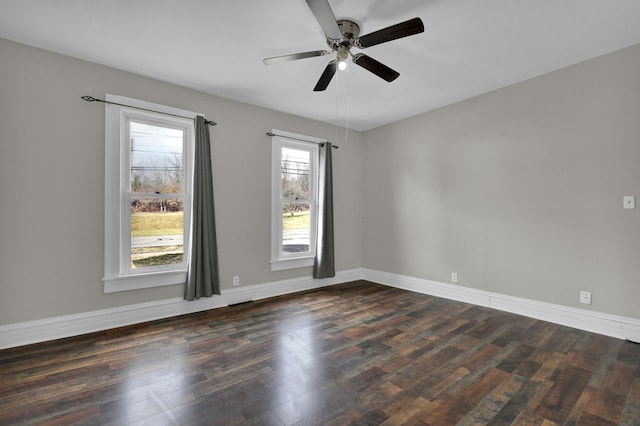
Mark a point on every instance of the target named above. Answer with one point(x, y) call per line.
point(156, 158)
point(157, 231)
point(295, 227)
point(295, 173)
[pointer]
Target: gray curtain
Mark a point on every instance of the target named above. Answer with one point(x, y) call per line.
point(324, 265)
point(203, 277)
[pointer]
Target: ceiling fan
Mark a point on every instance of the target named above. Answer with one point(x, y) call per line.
point(344, 34)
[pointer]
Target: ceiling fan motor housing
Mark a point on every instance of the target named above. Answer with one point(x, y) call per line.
point(350, 29)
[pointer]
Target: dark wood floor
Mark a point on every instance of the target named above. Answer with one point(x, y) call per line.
point(358, 353)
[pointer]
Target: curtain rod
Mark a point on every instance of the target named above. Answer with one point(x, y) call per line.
point(297, 139)
point(92, 99)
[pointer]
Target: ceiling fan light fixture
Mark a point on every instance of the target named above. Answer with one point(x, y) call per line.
point(341, 55)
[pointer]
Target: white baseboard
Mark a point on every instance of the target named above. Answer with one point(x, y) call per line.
point(582, 319)
point(25, 333)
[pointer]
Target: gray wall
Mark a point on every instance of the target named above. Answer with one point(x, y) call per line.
point(52, 184)
point(519, 190)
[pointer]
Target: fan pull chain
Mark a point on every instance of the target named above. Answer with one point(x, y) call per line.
point(346, 132)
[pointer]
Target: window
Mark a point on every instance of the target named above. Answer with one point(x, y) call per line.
point(148, 181)
point(294, 200)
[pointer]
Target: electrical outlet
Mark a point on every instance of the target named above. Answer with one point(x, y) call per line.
point(585, 297)
point(629, 202)
point(454, 277)
point(236, 280)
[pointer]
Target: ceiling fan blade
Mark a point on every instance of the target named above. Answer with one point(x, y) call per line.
point(294, 56)
point(379, 69)
point(327, 20)
point(326, 76)
point(403, 29)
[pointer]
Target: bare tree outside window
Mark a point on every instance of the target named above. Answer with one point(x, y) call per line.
point(296, 222)
point(156, 194)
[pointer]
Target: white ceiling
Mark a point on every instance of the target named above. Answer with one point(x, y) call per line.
point(469, 47)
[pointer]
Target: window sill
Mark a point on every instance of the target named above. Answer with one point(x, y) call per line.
point(134, 282)
point(299, 262)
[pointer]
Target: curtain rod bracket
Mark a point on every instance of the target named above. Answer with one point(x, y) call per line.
point(92, 99)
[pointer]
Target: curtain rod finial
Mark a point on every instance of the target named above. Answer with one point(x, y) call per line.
point(89, 98)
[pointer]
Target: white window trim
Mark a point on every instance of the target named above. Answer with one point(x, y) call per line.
point(279, 261)
point(115, 168)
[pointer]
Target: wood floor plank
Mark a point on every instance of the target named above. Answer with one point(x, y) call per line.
point(483, 386)
point(517, 403)
point(619, 379)
point(605, 405)
point(404, 410)
point(631, 411)
point(579, 407)
point(357, 353)
point(448, 411)
point(492, 403)
point(563, 395)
